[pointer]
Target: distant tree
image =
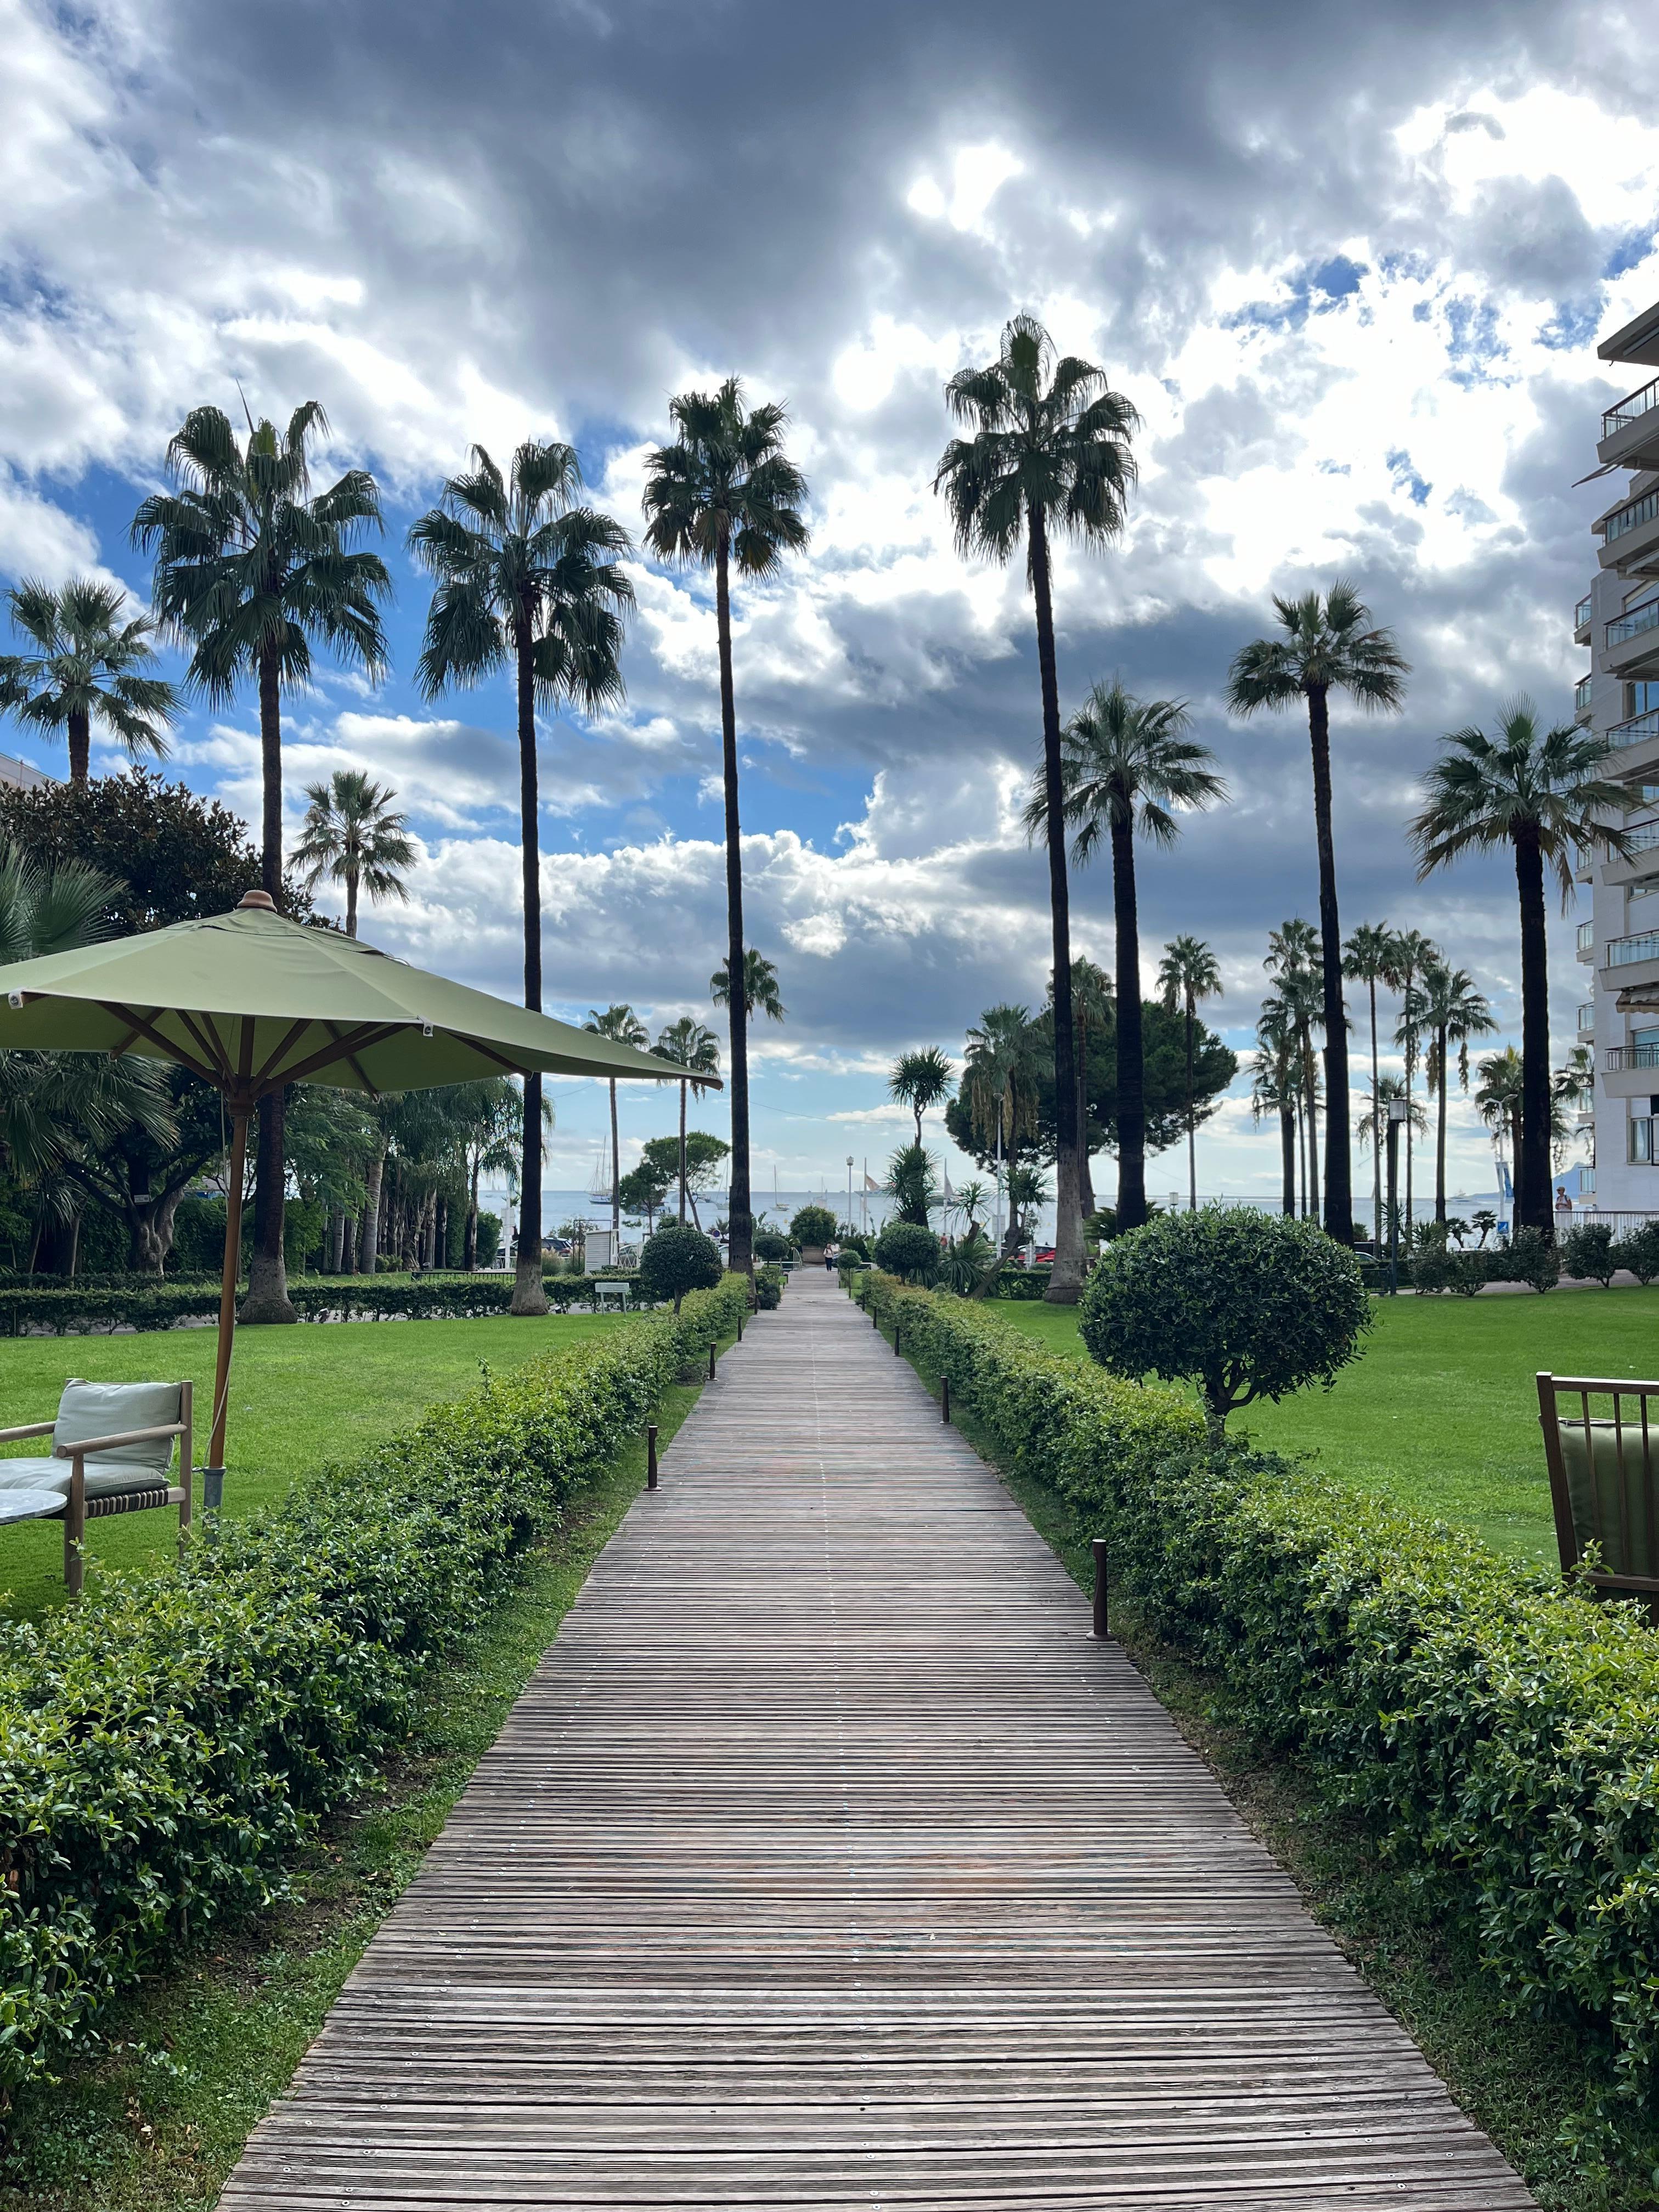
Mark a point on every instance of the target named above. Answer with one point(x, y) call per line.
point(912, 1183)
point(1325, 645)
point(1294, 961)
point(704, 1155)
point(87, 665)
point(1410, 955)
point(1049, 452)
point(677, 1260)
point(529, 578)
point(812, 1225)
point(760, 987)
point(996, 1101)
point(1276, 1087)
point(1545, 797)
point(643, 1190)
point(919, 1080)
point(1367, 959)
point(1188, 973)
point(1453, 1012)
point(690, 1045)
point(725, 494)
point(621, 1026)
point(352, 834)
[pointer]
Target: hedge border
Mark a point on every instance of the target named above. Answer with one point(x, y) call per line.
point(1497, 1730)
point(363, 1298)
point(166, 1741)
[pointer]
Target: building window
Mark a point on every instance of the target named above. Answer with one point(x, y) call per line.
point(1640, 699)
point(1641, 1141)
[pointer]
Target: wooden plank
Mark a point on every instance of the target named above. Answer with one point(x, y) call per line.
point(828, 1861)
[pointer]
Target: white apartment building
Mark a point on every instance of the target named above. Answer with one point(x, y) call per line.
point(1619, 619)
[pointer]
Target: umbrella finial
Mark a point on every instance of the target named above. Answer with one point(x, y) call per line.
point(262, 900)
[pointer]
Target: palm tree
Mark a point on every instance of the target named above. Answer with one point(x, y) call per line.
point(87, 666)
point(1367, 958)
point(252, 571)
point(528, 578)
point(1499, 1095)
point(1373, 1128)
point(1543, 795)
point(622, 1026)
point(696, 1049)
point(1188, 973)
point(921, 1079)
point(1000, 1074)
point(1091, 1005)
point(1328, 645)
point(1276, 1088)
point(760, 987)
point(351, 835)
point(726, 491)
point(1049, 452)
point(971, 1199)
point(1125, 764)
point(1452, 1010)
point(1411, 954)
point(1293, 956)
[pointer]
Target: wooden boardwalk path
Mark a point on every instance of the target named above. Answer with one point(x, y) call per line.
point(827, 1861)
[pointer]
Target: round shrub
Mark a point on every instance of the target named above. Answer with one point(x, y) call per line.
point(905, 1248)
point(815, 1225)
point(679, 1258)
point(1532, 1258)
point(1588, 1254)
point(772, 1247)
point(1245, 1305)
point(769, 1288)
point(1639, 1252)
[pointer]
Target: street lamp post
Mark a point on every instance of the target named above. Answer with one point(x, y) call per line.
point(849, 1194)
point(1397, 1109)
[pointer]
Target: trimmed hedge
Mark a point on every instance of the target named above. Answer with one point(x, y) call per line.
point(348, 1297)
point(1498, 1730)
point(165, 1742)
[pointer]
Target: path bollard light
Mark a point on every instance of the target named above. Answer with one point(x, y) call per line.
point(739, 1329)
point(711, 1360)
point(898, 1326)
point(945, 1397)
point(651, 1457)
point(1098, 1544)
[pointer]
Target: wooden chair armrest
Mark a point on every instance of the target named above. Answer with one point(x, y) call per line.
point(34, 1429)
point(91, 1445)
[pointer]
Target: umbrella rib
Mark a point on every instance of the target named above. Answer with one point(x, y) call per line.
point(209, 1039)
point(143, 1028)
point(352, 1060)
point(371, 1033)
point(295, 1030)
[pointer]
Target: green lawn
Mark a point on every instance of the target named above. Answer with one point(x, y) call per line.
point(298, 1396)
point(1440, 1410)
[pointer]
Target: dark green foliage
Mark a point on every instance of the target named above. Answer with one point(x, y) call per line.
point(813, 1225)
point(163, 1743)
point(1467, 1272)
point(143, 1303)
point(1588, 1254)
point(1496, 1732)
point(772, 1246)
point(1030, 1284)
point(678, 1259)
point(1244, 1303)
point(1532, 1257)
point(913, 1184)
point(1639, 1251)
point(906, 1248)
point(769, 1288)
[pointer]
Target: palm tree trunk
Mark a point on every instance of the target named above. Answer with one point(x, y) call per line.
point(1532, 1181)
point(80, 748)
point(1310, 1079)
point(1066, 1282)
point(1130, 1059)
point(1440, 1137)
point(1192, 1125)
point(469, 1242)
point(1377, 1127)
point(740, 1223)
point(1287, 1161)
point(615, 1178)
point(267, 1299)
point(529, 1292)
point(683, 1091)
point(351, 901)
point(1085, 1180)
point(1338, 1169)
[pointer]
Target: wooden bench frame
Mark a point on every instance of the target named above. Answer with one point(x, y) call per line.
point(1642, 1434)
point(143, 1497)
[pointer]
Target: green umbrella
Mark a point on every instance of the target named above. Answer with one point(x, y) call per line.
point(250, 1001)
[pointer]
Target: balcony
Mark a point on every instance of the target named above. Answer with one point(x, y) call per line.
point(1630, 535)
point(1630, 431)
point(1640, 729)
point(1581, 700)
point(1587, 1018)
point(1633, 640)
point(1581, 620)
point(1622, 1056)
point(1623, 951)
point(1586, 940)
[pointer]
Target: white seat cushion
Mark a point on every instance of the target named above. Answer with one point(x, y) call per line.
point(105, 1478)
point(89, 1410)
point(35, 1475)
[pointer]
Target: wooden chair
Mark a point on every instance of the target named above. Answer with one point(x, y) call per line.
point(1604, 1479)
point(120, 1454)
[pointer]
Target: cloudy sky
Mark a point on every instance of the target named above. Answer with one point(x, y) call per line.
point(1349, 263)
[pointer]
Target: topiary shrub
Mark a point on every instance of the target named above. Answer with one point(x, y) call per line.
point(906, 1248)
point(814, 1226)
point(773, 1247)
point(1467, 1272)
point(769, 1288)
point(1532, 1259)
point(1587, 1253)
point(1245, 1305)
point(677, 1260)
point(1639, 1252)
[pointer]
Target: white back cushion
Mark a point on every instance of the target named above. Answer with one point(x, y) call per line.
point(89, 1410)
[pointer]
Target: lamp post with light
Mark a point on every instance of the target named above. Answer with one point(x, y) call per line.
point(1398, 1110)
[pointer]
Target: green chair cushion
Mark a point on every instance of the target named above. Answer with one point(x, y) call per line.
point(1597, 1482)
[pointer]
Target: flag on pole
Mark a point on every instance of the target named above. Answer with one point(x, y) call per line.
point(869, 1182)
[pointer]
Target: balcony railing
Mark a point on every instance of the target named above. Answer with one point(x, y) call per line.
point(1643, 838)
point(1633, 624)
point(1632, 1055)
point(1581, 697)
point(1635, 731)
point(1587, 1019)
point(1631, 409)
point(1624, 519)
point(1621, 951)
point(1586, 939)
point(1581, 613)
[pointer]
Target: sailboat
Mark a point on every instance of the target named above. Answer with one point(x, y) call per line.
point(599, 1188)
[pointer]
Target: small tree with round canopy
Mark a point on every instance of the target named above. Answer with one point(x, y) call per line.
point(677, 1260)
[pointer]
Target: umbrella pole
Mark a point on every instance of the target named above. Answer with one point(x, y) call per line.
point(213, 1475)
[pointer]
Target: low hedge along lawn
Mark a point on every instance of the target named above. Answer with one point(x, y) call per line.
point(1498, 1731)
point(163, 1743)
point(163, 1304)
